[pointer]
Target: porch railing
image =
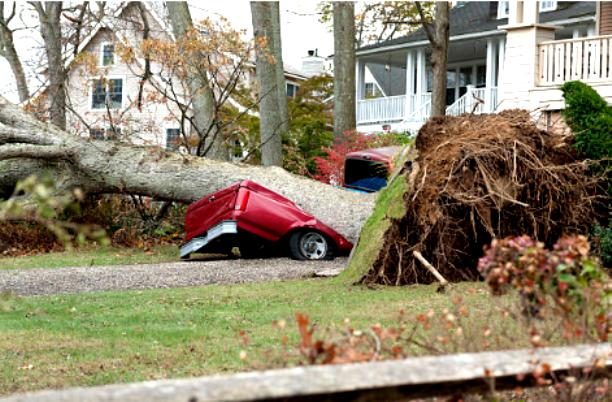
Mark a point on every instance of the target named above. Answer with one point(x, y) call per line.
point(421, 108)
point(384, 109)
point(587, 59)
point(393, 108)
point(475, 100)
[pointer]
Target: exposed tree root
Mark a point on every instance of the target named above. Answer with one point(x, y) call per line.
point(478, 177)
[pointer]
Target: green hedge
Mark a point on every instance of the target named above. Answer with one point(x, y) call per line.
point(590, 118)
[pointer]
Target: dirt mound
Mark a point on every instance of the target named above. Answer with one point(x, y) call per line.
point(477, 177)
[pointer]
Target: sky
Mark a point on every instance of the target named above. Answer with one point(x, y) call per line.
point(300, 31)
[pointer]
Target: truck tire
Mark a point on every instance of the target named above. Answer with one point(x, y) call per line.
point(310, 245)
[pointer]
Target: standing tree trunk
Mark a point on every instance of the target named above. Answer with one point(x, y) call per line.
point(438, 38)
point(7, 50)
point(51, 31)
point(344, 67)
point(277, 50)
point(202, 98)
point(270, 119)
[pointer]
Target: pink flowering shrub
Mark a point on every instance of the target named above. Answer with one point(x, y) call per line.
point(566, 277)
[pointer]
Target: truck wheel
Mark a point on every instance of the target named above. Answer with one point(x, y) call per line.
point(310, 245)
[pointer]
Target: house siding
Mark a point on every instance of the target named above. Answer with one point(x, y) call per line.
point(605, 18)
point(144, 126)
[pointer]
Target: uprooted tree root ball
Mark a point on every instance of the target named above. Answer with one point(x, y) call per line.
point(477, 177)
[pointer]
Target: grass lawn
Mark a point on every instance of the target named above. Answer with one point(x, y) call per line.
point(109, 337)
point(92, 256)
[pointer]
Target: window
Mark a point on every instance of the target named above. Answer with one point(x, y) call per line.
point(503, 9)
point(371, 90)
point(98, 133)
point(173, 138)
point(107, 92)
point(548, 5)
point(291, 90)
point(113, 134)
point(108, 54)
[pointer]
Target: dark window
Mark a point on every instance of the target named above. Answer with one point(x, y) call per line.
point(98, 97)
point(115, 92)
point(365, 175)
point(104, 134)
point(113, 134)
point(108, 54)
point(173, 138)
point(107, 92)
point(96, 133)
point(481, 76)
point(291, 90)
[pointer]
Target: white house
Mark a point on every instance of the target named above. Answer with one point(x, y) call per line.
point(103, 104)
point(505, 54)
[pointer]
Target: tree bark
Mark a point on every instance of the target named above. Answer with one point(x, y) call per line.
point(202, 98)
point(438, 36)
point(279, 66)
point(28, 146)
point(7, 50)
point(51, 31)
point(270, 119)
point(344, 67)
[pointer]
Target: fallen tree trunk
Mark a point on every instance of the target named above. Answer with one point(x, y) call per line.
point(28, 146)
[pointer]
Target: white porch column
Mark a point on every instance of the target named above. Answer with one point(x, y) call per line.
point(591, 31)
point(409, 104)
point(531, 12)
point(501, 54)
point(490, 75)
point(421, 79)
point(360, 79)
point(521, 58)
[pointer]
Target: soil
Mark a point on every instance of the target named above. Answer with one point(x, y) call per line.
point(479, 177)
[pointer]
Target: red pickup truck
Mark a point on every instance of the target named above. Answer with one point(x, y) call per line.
point(253, 218)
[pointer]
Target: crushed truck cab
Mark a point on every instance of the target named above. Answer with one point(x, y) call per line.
point(253, 218)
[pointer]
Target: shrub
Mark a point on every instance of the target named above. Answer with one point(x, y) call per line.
point(590, 118)
point(566, 276)
point(602, 239)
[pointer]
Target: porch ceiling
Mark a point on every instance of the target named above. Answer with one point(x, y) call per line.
point(460, 51)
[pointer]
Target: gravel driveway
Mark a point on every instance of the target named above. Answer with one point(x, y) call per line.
point(34, 282)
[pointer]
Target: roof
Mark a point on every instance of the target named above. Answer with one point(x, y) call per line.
point(383, 154)
point(470, 17)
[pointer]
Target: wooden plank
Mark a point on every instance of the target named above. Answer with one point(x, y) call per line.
point(541, 65)
point(567, 70)
point(559, 62)
point(551, 63)
point(604, 58)
point(596, 58)
point(389, 380)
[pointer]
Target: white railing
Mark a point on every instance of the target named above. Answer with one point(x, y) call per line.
point(378, 110)
point(587, 59)
point(393, 108)
point(475, 100)
point(421, 108)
